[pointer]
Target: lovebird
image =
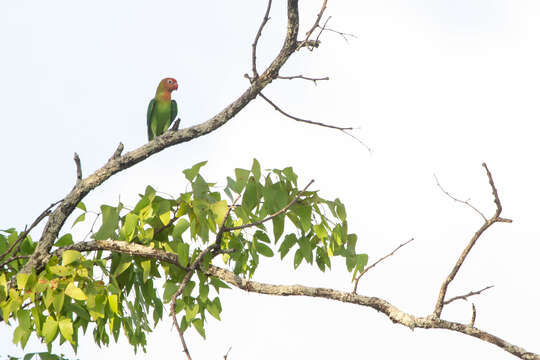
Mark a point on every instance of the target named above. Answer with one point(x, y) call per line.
point(162, 110)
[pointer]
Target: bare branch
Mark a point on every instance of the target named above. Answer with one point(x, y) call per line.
point(304, 78)
point(117, 152)
point(227, 354)
point(393, 313)
point(270, 217)
point(78, 165)
point(315, 25)
point(254, 45)
point(324, 28)
point(343, 129)
point(464, 297)
point(376, 262)
point(465, 202)
point(473, 317)
point(176, 124)
point(486, 225)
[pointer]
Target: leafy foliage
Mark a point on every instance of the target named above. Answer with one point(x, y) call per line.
point(116, 291)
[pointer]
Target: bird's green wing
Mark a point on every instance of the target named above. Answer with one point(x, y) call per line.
point(174, 110)
point(149, 118)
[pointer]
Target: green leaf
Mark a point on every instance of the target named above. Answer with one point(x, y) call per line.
point(320, 231)
point(183, 254)
point(242, 177)
point(340, 210)
point(109, 223)
point(305, 248)
point(203, 292)
point(290, 175)
point(81, 206)
point(214, 308)
point(70, 256)
point(263, 249)
point(66, 329)
point(256, 170)
point(61, 270)
point(58, 301)
point(121, 268)
point(278, 224)
point(250, 199)
point(79, 219)
point(50, 329)
point(200, 188)
point(191, 312)
point(304, 213)
point(289, 241)
point(74, 292)
point(170, 289)
point(193, 171)
point(21, 280)
point(179, 228)
point(146, 266)
point(220, 210)
point(217, 283)
point(199, 325)
point(130, 224)
point(297, 258)
point(65, 240)
point(24, 318)
point(113, 303)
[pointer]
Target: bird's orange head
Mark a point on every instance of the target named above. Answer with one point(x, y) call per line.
point(168, 84)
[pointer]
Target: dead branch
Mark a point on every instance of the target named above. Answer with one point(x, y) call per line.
point(254, 45)
point(77, 160)
point(324, 28)
point(465, 202)
point(304, 78)
point(486, 225)
point(376, 262)
point(392, 312)
point(464, 297)
point(315, 25)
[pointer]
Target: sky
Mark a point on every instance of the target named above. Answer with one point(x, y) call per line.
point(435, 88)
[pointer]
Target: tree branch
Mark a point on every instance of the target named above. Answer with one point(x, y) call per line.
point(486, 225)
point(465, 202)
point(254, 45)
point(376, 262)
point(393, 313)
point(77, 160)
point(168, 139)
point(304, 78)
point(315, 25)
point(464, 297)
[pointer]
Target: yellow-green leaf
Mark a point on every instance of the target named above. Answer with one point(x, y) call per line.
point(165, 218)
point(74, 292)
point(50, 329)
point(146, 265)
point(219, 209)
point(113, 303)
point(122, 267)
point(66, 329)
point(70, 256)
point(21, 280)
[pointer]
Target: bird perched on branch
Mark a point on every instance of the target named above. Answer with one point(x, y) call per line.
point(162, 110)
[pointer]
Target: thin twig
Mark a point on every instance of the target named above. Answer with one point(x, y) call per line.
point(304, 78)
point(494, 219)
point(27, 230)
point(254, 45)
point(315, 25)
point(176, 124)
point(324, 28)
point(270, 217)
point(227, 354)
point(117, 152)
point(465, 202)
point(473, 317)
point(376, 262)
point(464, 297)
point(342, 129)
point(77, 160)
point(11, 259)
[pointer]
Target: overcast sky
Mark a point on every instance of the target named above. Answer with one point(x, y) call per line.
point(436, 87)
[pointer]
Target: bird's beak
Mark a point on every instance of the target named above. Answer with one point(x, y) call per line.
point(175, 86)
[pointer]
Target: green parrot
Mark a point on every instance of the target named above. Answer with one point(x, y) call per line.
point(161, 110)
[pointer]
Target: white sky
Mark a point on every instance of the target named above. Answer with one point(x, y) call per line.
point(437, 87)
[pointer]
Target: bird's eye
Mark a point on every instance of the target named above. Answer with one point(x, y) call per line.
point(169, 81)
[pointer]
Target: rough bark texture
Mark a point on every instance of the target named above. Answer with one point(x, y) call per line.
point(392, 312)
